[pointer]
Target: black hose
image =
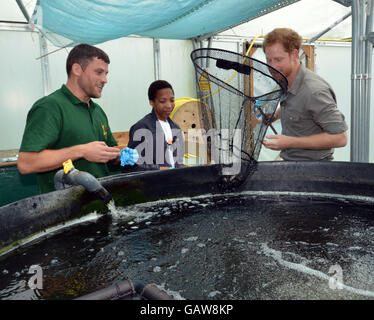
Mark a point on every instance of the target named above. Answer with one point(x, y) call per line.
point(152, 292)
point(138, 286)
point(85, 179)
point(126, 289)
point(116, 291)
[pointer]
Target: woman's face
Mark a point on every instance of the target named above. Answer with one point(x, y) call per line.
point(163, 104)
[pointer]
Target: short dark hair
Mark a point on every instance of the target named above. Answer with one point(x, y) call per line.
point(157, 85)
point(83, 54)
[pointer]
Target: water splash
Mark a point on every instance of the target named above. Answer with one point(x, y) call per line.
point(277, 255)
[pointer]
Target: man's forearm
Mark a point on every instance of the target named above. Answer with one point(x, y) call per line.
point(319, 141)
point(47, 160)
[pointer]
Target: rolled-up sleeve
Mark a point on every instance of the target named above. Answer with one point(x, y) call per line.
point(326, 114)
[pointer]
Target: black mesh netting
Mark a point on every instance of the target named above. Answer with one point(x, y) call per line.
point(241, 95)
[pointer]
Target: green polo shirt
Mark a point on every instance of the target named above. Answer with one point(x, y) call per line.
point(61, 120)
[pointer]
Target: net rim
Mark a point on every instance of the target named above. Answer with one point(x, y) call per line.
point(283, 85)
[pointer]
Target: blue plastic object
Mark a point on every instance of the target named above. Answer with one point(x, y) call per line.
point(128, 156)
point(256, 108)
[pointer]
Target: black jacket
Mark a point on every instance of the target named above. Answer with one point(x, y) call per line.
point(146, 136)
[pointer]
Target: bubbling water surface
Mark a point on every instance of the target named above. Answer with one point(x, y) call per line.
point(250, 245)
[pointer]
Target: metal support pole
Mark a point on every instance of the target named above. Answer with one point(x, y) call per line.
point(368, 66)
point(360, 86)
point(23, 9)
point(354, 97)
point(209, 45)
point(361, 82)
point(353, 82)
point(194, 44)
point(156, 58)
point(44, 62)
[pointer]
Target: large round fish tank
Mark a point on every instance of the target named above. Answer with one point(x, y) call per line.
point(291, 230)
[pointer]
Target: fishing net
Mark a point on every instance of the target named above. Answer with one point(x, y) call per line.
point(240, 95)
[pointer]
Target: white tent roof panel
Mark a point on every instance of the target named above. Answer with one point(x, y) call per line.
point(306, 17)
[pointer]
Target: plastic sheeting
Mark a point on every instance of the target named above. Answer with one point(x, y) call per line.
point(97, 21)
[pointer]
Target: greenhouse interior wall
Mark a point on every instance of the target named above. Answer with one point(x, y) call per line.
point(133, 67)
point(124, 98)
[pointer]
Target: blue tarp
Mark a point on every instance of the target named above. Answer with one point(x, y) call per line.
point(97, 21)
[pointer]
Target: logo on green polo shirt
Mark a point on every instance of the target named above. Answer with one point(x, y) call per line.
point(104, 131)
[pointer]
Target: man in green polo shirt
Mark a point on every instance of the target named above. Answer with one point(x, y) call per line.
point(312, 125)
point(67, 124)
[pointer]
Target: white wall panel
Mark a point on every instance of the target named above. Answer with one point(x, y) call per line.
point(177, 68)
point(21, 84)
point(333, 63)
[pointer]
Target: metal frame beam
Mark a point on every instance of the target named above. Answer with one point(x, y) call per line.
point(316, 37)
point(361, 64)
point(23, 9)
point(44, 61)
point(11, 26)
point(346, 3)
point(156, 58)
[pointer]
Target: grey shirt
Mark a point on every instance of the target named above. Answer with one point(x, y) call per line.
point(308, 109)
